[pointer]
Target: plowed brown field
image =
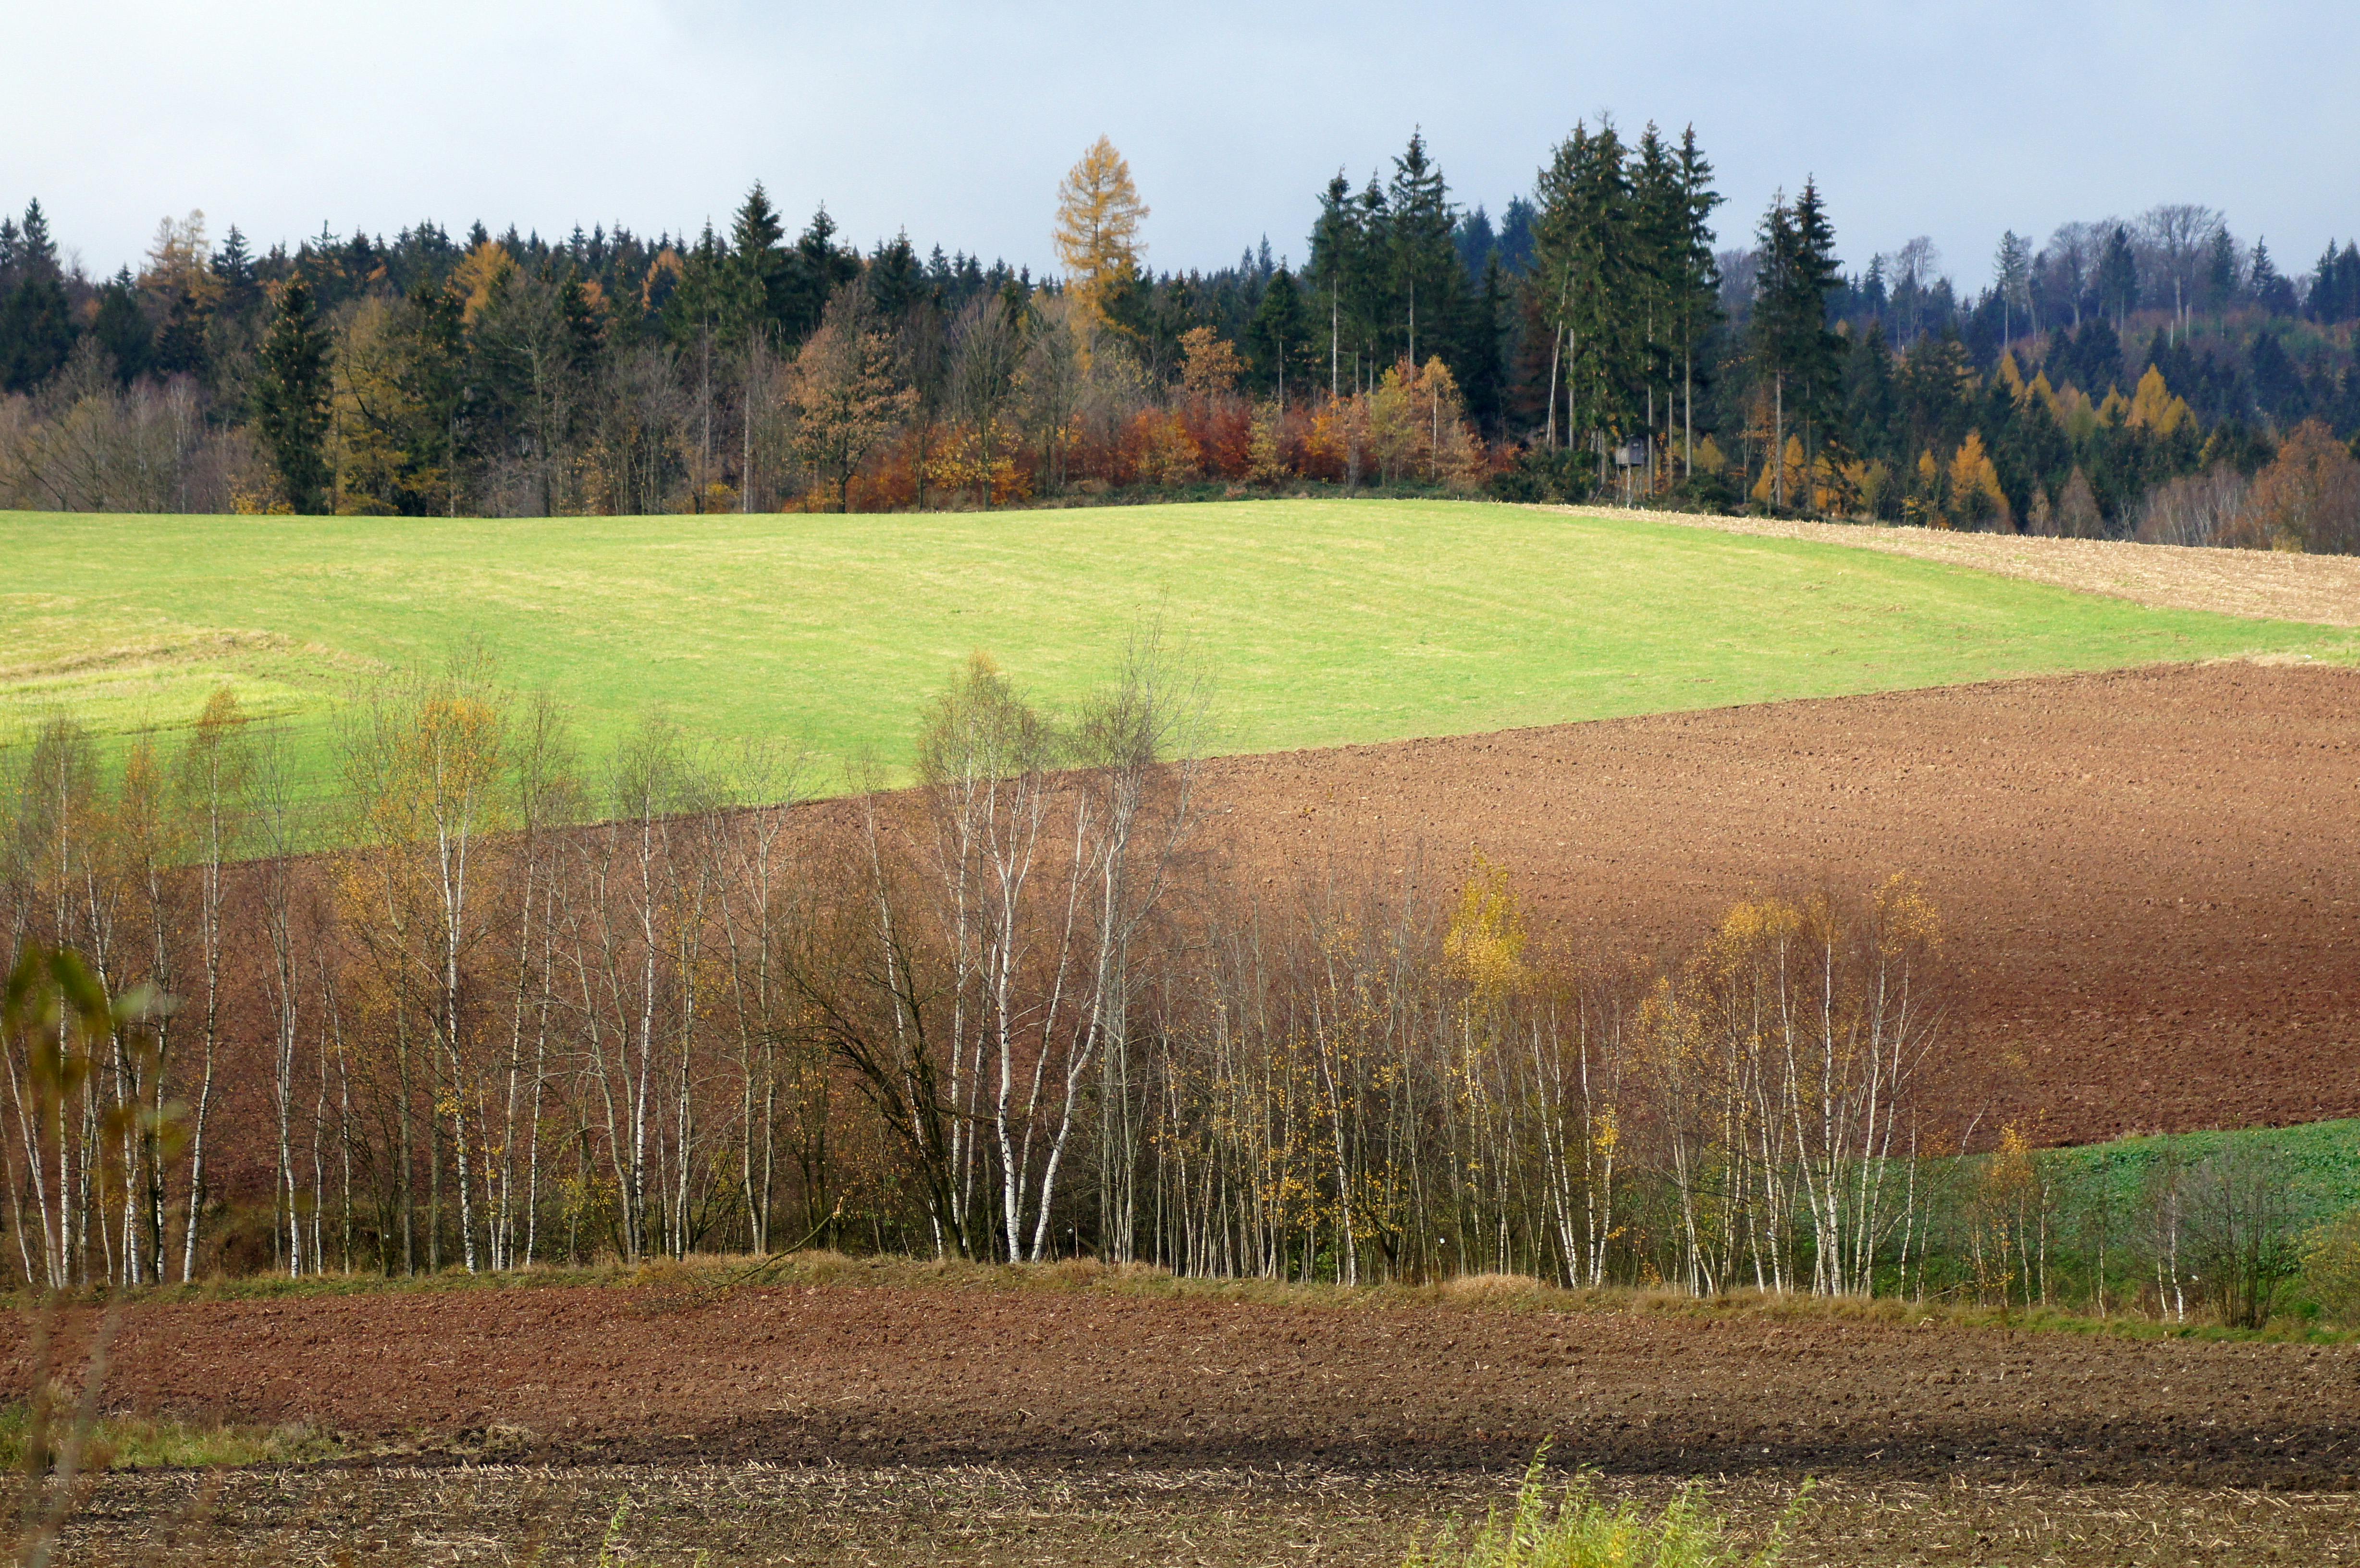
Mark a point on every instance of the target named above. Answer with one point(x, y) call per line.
point(926, 1425)
point(2148, 878)
point(903, 1373)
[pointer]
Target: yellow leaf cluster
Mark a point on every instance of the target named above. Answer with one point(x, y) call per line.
point(1486, 941)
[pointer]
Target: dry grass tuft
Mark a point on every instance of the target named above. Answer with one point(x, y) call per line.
point(1496, 1291)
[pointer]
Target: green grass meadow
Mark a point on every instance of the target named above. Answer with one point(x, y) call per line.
point(1318, 622)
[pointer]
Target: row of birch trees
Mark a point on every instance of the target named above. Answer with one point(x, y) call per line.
point(469, 999)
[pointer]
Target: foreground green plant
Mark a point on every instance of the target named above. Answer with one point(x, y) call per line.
point(1577, 1530)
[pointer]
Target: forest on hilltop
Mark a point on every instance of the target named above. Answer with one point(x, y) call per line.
point(2157, 376)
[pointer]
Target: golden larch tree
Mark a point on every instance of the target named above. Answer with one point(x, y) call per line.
point(1098, 215)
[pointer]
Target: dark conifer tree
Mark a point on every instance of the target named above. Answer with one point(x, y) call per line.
point(2278, 389)
point(37, 325)
point(2097, 358)
point(1795, 353)
point(1699, 292)
point(1869, 404)
point(584, 328)
point(121, 328)
point(2118, 278)
point(1586, 272)
point(2221, 272)
point(1277, 340)
point(1428, 281)
point(36, 332)
point(37, 253)
point(434, 374)
point(895, 279)
point(1337, 243)
point(754, 288)
point(1483, 378)
point(291, 396)
point(1516, 236)
point(234, 268)
point(820, 267)
point(2272, 290)
point(1476, 240)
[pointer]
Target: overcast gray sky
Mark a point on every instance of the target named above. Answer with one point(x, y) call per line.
point(1950, 119)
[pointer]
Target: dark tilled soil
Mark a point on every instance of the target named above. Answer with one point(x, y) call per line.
point(847, 1374)
point(2148, 878)
point(750, 1513)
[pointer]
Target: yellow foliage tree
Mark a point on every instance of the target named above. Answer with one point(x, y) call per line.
point(1097, 236)
point(479, 272)
point(1486, 940)
point(179, 261)
point(375, 407)
point(1208, 363)
point(1975, 495)
point(2010, 377)
point(844, 392)
point(2153, 408)
point(1783, 478)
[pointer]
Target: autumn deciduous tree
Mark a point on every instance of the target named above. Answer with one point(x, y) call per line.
point(1208, 365)
point(1976, 498)
point(1097, 236)
point(2307, 499)
point(842, 389)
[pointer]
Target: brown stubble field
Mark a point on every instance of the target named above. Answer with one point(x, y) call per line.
point(2148, 878)
point(1112, 1419)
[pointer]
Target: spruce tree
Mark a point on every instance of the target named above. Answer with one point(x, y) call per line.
point(1483, 381)
point(2221, 272)
point(817, 268)
point(2012, 282)
point(1335, 246)
point(584, 329)
point(754, 291)
point(1869, 402)
point(895, 279)
point(37, 254)
point(121, 328)
point(37, 332)
point(1586, 265)
point(2273, 292)
point(233, 269)
point(1795, 352)
point(1276, 337)
point(1427, 277)
point(291, 396)
point(2118, 278)
point(37, 325)
point(433, 376)
point(1659, 236)
point(1698, 298)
